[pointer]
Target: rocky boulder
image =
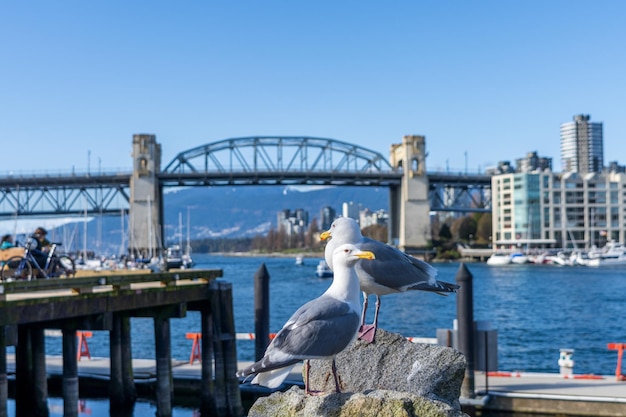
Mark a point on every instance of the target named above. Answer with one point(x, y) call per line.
point(394, 363)
point(379, 403)
point(391, 376)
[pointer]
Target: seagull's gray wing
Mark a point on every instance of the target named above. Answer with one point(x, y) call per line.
point(395, 269)
point(320, 328)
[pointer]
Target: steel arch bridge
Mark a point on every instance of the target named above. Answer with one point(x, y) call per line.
point(279, 160)
point(259, 160)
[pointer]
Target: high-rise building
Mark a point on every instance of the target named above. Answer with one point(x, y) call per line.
point(328, 215)
point(582, 150)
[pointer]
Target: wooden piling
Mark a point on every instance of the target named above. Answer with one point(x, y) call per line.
point(163, 366)
point(70, 374)
point(116, 387)
point(23, 374)
point(4, 386)
point(207, 386)
point(128, 378)
point(261, 311)
point(39, 389)
point(227, 394)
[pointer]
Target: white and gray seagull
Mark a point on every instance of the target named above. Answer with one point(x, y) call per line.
point(391, 271)
point(320, 329)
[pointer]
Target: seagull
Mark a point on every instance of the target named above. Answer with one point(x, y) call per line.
point(392, 270)
point(320, 329)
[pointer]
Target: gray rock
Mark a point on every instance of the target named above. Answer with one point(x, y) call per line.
point(396, 364)
point(379, 403)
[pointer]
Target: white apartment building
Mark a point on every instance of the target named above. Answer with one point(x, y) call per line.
point(566, 210)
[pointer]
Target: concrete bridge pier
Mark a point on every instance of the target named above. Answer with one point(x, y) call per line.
point(409, 205)
point(146, 201)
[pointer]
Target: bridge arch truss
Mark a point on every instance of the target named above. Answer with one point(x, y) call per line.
point(279, 160)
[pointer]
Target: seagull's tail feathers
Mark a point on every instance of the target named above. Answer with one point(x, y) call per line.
point(270, 375)
point(438, 287)
point(274, 378)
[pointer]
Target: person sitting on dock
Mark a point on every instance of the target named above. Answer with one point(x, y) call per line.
point(6, 242)
point(43, 246)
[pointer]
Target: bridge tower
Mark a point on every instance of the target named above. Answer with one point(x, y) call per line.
point(409, 205)
point(146, 201)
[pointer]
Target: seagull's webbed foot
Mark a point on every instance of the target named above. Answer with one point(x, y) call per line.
point(367, 333)
point(314, 393)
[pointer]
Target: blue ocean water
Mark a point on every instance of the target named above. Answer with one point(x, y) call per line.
point(536, 310)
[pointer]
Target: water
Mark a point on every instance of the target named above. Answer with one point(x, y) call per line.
point(536, 309)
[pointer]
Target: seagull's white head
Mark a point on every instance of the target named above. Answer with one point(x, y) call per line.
point(343, 230)
point(347, 255)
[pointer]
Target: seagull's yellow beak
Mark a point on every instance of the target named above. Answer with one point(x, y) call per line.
point(325, 235)
point(366, 255)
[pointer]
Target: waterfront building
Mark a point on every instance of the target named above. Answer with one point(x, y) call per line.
point(327, 217)
point(564, 210)
point(368, 217)
point(294, 223)
point(582, 149)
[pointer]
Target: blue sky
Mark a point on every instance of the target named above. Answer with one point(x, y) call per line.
point(484, 81)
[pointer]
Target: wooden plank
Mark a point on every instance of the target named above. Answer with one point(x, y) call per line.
point(120, 281)
point(45, 309)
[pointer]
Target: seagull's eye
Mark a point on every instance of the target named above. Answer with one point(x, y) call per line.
point(346, 251)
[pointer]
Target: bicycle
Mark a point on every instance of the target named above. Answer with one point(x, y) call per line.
point(22, 267)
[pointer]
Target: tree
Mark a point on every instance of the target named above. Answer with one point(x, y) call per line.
point(444, 232)
point(376, 232)
point(484, 229)
point(311, 239)
point(463, 228)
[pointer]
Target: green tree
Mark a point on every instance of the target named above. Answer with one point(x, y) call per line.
point(463, 228)
point(444, 232)
point(483, 229)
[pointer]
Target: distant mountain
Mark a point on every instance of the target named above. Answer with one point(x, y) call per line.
point(252, 210)
point(229, 212)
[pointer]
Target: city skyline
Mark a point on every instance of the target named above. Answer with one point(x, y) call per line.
point(82, 78)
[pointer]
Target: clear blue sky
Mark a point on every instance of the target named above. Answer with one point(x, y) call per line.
point(491, 78)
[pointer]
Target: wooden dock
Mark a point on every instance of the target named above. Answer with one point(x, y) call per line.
point(106, 302)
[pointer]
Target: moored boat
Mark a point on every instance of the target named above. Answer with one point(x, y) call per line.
point(519, 258)
point(613, 254)
point(174, 257)
point(323, 270)
point(499, 258)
